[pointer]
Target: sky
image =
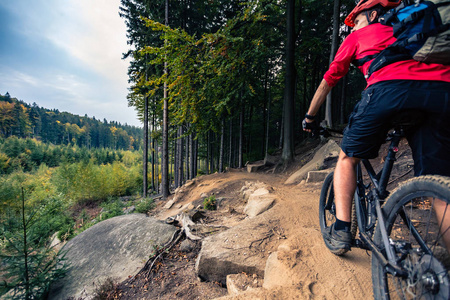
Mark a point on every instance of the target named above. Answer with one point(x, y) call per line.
point(66, 55)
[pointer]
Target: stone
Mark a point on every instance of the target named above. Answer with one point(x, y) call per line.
point(318, 176)
point(257, 205)
point(129, 210)
point(187, 245)
point(169, 204)
point(115, 248)
point(232, 251)
point(323, 158)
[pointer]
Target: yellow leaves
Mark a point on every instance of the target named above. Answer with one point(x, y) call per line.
point(113, 130)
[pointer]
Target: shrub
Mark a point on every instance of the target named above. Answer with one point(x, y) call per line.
point(209, 203)
point(111, 208)
point(145, 205)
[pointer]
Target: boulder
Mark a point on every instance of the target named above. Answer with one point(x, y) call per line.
point(325, 156)
point(115, 248)
point(258, 204)
point(318, 176)
point(235, 250)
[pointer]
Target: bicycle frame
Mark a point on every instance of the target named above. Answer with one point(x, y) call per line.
point(368, 207)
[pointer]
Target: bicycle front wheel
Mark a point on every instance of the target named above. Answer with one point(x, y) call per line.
point(417, 220)
point(327, 213)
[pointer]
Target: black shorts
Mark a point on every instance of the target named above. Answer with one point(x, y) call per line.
point(369, 122)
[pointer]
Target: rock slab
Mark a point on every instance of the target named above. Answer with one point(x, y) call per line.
point(328, 152)
point(115, 248)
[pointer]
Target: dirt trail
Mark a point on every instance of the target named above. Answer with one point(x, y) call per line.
point(323, 275)
point(346, 277)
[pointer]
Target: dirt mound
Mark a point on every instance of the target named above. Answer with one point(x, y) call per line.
point(306, 269)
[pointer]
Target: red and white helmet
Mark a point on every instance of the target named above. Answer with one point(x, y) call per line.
point(368, 4)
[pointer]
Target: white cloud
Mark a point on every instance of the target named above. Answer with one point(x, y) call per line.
point(93, 36)
point(93, 32)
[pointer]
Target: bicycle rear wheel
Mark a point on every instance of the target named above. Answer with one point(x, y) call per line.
point(416, 233)
point(327, 213)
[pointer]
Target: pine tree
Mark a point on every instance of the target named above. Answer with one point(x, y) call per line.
point(28, 261)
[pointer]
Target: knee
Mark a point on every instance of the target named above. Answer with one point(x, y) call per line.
point(347, 160)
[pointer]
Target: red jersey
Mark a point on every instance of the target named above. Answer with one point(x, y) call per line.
point(371, 40)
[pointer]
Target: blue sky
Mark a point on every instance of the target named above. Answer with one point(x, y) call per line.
point(66, 55)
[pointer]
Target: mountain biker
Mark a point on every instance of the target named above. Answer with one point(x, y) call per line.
point(400, 86)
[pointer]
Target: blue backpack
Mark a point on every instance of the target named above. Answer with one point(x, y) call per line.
point(422, 29)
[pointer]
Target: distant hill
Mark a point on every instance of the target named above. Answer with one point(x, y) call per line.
point(23, 120)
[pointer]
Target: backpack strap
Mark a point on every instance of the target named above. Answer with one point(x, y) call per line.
point(362, 61)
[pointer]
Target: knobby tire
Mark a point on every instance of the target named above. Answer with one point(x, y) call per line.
point(413, 228)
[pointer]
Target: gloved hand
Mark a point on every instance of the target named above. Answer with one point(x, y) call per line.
point(310, 126)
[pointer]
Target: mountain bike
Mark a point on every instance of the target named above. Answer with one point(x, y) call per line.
point(409, 256)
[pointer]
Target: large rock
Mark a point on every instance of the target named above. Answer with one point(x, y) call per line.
point(324, 156)
point(258, 204)
point(236, 250)
point(115, 248)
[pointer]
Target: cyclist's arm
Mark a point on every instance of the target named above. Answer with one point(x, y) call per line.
point(318, 99)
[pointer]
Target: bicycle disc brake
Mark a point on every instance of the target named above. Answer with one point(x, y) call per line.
point(427, 277)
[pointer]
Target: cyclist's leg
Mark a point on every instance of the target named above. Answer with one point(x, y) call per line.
point(442, 210)
point(344, 186)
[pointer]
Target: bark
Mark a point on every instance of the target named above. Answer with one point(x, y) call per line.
point(208, 152)
point(145, 171)
point(334, 46)
point(266, 150)
point(230, 157)
point(180, 156)
point(153, 154)
point(192, 169)
point(287, 154)
point(165, 156)
point(222, 146)
point(241, 138)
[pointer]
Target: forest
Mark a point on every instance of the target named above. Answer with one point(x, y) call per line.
point(214, 83)
point(231, 79)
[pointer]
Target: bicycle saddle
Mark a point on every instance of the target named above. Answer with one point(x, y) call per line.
point(407, 120)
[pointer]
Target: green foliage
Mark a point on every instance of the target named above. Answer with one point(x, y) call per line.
point(28, 262)
point(111, 209)
point(145, 205)
point(209, 203)
point(22, 120)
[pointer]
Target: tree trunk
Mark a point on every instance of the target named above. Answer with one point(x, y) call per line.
point(334, 46)
point(188, 144)
point(287, 154)
point(208, 152)
point(241, 138)
point(165, 156)
point(180, 156)
point(195, 157)
point(192, 159)
point(267, 125)
point(222, 146)
point(153, 154)
point(145, 171)
point(230, 157)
